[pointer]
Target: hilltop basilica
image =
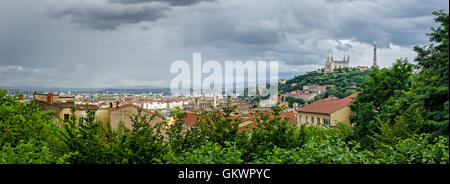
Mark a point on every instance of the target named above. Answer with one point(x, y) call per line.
point(331, 64)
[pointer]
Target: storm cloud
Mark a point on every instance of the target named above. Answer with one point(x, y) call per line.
point(171, 2)
point(108, 15)
point(105, 43)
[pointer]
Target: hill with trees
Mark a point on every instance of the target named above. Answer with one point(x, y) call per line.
point(344, 79)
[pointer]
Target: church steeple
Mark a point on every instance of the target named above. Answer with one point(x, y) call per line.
point(374, 65)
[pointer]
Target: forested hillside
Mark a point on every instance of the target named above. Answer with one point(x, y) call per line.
point(344, 78)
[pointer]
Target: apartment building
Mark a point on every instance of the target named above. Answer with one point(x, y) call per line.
point(326, 112)
point(62, 106)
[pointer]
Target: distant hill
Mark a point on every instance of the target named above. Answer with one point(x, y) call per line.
point(343, 78)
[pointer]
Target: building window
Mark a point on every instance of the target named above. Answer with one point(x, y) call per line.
point(299, 118)
point(306, 119)
point(318, 121)
point(66, 117)
point(326, 122)
point(312, 120)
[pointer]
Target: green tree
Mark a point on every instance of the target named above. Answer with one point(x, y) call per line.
point(144, 144)
point(291, 100)
point(219, 126)
point(176, 112)
point(85, 138)
point(210, 153)
point(31, 152)
point(379, 87)
point(25, 121)
point(433, 80)
point(27, 135)
point(181, 138)
point(271, 132)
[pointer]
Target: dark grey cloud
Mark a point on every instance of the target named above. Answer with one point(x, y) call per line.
point(104, 16)
point(402, 22)
point(262, 37)
point(171, 2)
point(108, 15)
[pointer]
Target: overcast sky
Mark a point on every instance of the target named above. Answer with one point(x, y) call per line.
point(107, 43)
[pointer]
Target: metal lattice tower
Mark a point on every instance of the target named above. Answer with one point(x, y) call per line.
point(374, 65)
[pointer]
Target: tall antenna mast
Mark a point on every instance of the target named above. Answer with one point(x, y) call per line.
point(374, 65)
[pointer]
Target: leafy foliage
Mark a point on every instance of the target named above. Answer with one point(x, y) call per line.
point(211, 153)
point(30, 153)
point(84, 139)
point(24, 121)
point(377, 91)
point(291, 100)
point(433, 80)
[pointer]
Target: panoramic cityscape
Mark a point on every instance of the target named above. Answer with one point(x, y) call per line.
point(224, 82)
point(106, 101)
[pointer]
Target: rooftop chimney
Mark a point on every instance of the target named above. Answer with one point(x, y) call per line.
point(50, 98)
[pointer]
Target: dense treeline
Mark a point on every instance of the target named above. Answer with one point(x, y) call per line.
point(398, 118)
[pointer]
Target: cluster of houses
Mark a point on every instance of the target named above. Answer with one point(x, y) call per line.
point(308, 93)
point(324, 112)
point(64, 107)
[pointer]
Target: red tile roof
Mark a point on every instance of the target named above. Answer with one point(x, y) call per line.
point(291, 116)
point(327, 105)
point(314, 86)
point(190, 119)
point(252, 117)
